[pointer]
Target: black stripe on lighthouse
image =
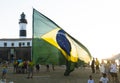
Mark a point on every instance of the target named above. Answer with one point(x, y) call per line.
point(23, 33)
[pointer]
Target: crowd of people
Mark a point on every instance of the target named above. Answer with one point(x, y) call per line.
point(21, 66)
point(108, 70)
point(27, 66)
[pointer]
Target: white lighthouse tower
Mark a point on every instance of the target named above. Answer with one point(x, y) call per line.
point(22, 25)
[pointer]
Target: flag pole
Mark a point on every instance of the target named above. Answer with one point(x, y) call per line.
point(32, 33)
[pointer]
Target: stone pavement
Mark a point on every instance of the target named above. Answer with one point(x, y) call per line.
point(79, 75)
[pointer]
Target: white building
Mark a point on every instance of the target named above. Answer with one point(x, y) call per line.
point(19, 47)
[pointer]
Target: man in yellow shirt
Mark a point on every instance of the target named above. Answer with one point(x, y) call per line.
point(97, 66)
point(30, 69)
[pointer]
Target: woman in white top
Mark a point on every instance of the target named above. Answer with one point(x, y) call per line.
point(102, 67)
point(107, 69)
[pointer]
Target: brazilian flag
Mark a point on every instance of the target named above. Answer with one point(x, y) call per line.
point(52, 45)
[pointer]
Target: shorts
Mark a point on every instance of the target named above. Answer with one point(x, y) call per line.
point(113, 74)
point(97, 67)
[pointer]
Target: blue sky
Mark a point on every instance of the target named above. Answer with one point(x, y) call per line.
point(95, 23)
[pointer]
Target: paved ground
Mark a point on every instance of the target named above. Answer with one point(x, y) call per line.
point(79, 75)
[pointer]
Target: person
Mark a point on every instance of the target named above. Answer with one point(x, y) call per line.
point(93, 65)
point(30, 69)
point(97, 65)
point(119, 66)
point(20, 67)
point(113, 72)
point(4, 71)
point(102, 67)
point(47, 66)
point(19, 60)
point(37, 68)
point(107, 69)
point(90, 80)
point(104, 78)
point(15, 65)
point(53, 68)
point(25, 64)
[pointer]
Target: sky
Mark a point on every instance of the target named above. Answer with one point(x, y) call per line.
point(95, 23)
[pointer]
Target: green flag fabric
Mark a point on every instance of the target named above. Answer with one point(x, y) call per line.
point(52, 45)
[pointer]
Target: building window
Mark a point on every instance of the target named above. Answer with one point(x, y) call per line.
point(20, 44)
point(5, 44)
point(28, 43)
point(23, 43)
point(12, 44)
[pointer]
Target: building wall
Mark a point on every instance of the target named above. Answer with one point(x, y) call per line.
point(15, 48)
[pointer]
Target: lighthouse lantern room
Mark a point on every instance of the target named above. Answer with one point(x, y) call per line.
point(22, 25)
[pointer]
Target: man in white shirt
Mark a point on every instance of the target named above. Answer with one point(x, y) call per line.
point(90, 80)
point(113, 72)
point(104, 79)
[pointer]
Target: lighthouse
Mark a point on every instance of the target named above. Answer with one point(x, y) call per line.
point(22, 25)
